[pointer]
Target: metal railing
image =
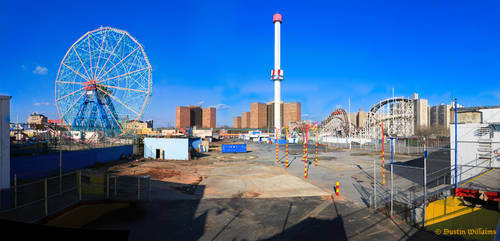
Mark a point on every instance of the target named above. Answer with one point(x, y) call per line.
point(37, 199)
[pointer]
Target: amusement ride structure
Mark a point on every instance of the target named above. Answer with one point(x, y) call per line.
point(104, 83)
point(396, 114)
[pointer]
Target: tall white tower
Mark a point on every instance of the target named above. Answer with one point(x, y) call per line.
point(277, 73)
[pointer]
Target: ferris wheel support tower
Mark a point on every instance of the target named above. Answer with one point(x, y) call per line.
point(277, 73)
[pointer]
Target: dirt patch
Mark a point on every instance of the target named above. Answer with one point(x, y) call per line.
point(333, 197)
point(340, 198)
point(327, 198)
point(235, 157)
point(246, 195)
point(167, 175)
point(159, 174)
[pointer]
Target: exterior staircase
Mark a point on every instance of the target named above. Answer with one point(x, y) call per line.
point(484, 150)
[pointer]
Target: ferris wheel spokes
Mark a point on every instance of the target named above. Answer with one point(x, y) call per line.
point(76, 72)
point(112, 52)
point(72, 93)
point(100, 51)
point(90, 56)
point(118, 76)
point(76, 52)
point(126, 106)
point(100, 77)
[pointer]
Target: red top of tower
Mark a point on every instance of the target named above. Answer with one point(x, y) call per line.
point(277, 17)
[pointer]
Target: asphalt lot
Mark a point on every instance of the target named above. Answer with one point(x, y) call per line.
point(310, 218)
point(249, 196)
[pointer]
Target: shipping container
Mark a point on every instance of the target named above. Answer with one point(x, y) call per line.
point(233, 148)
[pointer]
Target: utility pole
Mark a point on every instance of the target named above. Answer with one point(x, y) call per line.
point(456, 145)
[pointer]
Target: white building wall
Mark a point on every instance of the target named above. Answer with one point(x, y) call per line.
point(172, 148)
point(4, 142)
point(469, 136)
point(202, 133)
point(491, 115)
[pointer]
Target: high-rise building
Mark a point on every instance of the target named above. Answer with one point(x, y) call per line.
point(444, 114)
point(245, 120)
point(237, 122)
point(258, 115)
point(182, 117)
point(292, 113)
point(209, 115)
point(434, 116)
point(196, 116)
point(270, 114)
point(421, 112)
point(440, 116)
point(361, 117)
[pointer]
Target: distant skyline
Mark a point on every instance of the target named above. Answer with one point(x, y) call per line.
point(220, 53)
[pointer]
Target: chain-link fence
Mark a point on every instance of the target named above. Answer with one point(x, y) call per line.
point(401, 189)
point(405, 146)
point(33, 200)
point(403, 194)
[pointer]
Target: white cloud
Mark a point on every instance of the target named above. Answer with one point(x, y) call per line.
point(201, 102)
point(40, 70)
point(222, 107)
point(41, 103)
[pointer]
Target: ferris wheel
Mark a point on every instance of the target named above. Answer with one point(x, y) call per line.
point(103, 83)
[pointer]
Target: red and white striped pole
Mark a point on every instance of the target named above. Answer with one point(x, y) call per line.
point(307, 139)
point(286, 145)
point(305, 153)
point(304, 144)
point(316, 146)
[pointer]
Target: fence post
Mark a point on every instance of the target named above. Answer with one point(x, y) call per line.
point(15, 190)
point(138, 188)
point(60, 170)
point(425, 183)
point(407, 146)
point(410, 203)
point(46, 198)
point(392, 175)
point(374, 185)
point(116, 190)
point(107, 186)
point(79, 177)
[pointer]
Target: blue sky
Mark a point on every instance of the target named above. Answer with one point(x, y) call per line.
point(221, 53)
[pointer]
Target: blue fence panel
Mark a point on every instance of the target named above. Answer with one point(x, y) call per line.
point(281, 141)
point(233, 148)
point(46, 164)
